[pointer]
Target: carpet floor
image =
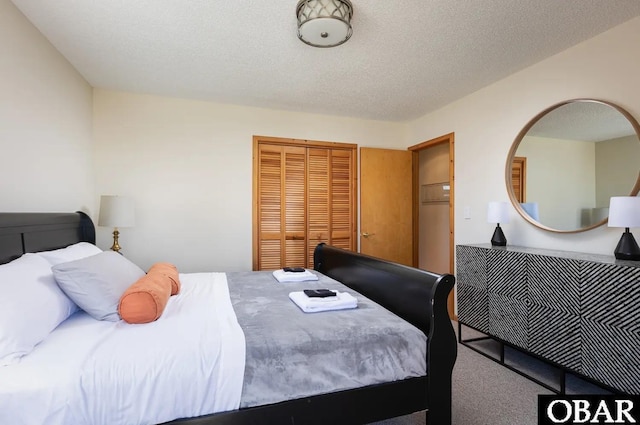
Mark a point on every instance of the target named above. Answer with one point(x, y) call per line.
point(487, 393)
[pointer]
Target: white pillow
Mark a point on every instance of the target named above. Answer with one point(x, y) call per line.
point(31, 306)
point(96, 283)
point(72, 252)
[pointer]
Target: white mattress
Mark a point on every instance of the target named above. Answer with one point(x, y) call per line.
point(188, 363)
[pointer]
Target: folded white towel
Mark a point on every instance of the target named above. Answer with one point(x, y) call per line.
point(341, 301)
point(283, 276)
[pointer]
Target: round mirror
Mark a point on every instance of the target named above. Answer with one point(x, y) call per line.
point(569, 160)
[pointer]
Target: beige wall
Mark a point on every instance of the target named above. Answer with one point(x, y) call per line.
point(45, 123)
point(486, 123)
point(188, 166)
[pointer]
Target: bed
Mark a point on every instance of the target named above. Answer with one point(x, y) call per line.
point(412, 298)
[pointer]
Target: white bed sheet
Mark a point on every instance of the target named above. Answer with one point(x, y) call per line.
point(190, 362)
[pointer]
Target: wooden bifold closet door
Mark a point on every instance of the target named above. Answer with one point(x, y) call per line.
point(304, 193)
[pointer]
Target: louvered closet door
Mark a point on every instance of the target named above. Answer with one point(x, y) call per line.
point(330, 185)
point(294, 201)
point(318, 189)
point(304, 195)
point(342, 199)
point(281, 202)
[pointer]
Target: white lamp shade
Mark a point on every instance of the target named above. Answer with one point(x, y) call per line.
point(498, 212)
point(624, 211)
point(116, 211)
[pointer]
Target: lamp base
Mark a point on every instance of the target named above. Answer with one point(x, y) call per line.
point(116, 246)
point(627, 248)
point(498, 238)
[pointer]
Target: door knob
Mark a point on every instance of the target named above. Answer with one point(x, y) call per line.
point(366, 235)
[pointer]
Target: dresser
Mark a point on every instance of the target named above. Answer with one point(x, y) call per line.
point(579, 312)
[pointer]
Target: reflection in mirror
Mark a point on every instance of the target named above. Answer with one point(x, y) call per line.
point(569, 160)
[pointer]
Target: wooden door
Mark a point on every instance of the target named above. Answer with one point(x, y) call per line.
point(386, 198)
point(281, 202)
point(304, 193)
point(519, 178)
point(331, 199)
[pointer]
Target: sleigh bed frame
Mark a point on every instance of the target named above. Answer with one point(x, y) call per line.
point(417, 296)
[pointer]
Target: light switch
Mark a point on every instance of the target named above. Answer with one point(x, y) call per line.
point(467, 213)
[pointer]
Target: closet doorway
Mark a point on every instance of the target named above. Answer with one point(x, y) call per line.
point(406, 205)
point(434, 207)
point(304, 193)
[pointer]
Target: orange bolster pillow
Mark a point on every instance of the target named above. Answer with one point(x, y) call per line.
point(145, 300)
point(171, 272)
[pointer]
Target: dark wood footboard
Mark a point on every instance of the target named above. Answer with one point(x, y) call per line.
point(419, 297)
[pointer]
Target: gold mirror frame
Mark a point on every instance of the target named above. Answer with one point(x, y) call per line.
point(523, 133)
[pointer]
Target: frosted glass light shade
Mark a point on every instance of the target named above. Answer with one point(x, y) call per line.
point(498, 212)
point(116, 211)
point(324, 23)
point(624, 211)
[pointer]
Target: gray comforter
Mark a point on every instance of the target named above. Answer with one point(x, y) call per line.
point(291, 354)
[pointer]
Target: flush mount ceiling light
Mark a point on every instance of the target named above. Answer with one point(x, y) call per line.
point(324, 23)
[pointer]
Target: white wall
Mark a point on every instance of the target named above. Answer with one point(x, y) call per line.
point(486, 123)
point(188, 166)
point(45, 123)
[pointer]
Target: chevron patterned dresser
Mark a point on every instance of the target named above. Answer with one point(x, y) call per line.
point(580, 312)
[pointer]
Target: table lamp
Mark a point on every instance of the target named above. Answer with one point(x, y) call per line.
point(498, 212)
point(116, 211)
point(624, 211)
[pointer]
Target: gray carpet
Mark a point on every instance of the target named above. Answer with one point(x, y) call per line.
point(487, 393)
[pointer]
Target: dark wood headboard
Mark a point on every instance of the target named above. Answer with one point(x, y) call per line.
point(31, 232)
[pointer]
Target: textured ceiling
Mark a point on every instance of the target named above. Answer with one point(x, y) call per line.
point(583, 121)
point(405, 58)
